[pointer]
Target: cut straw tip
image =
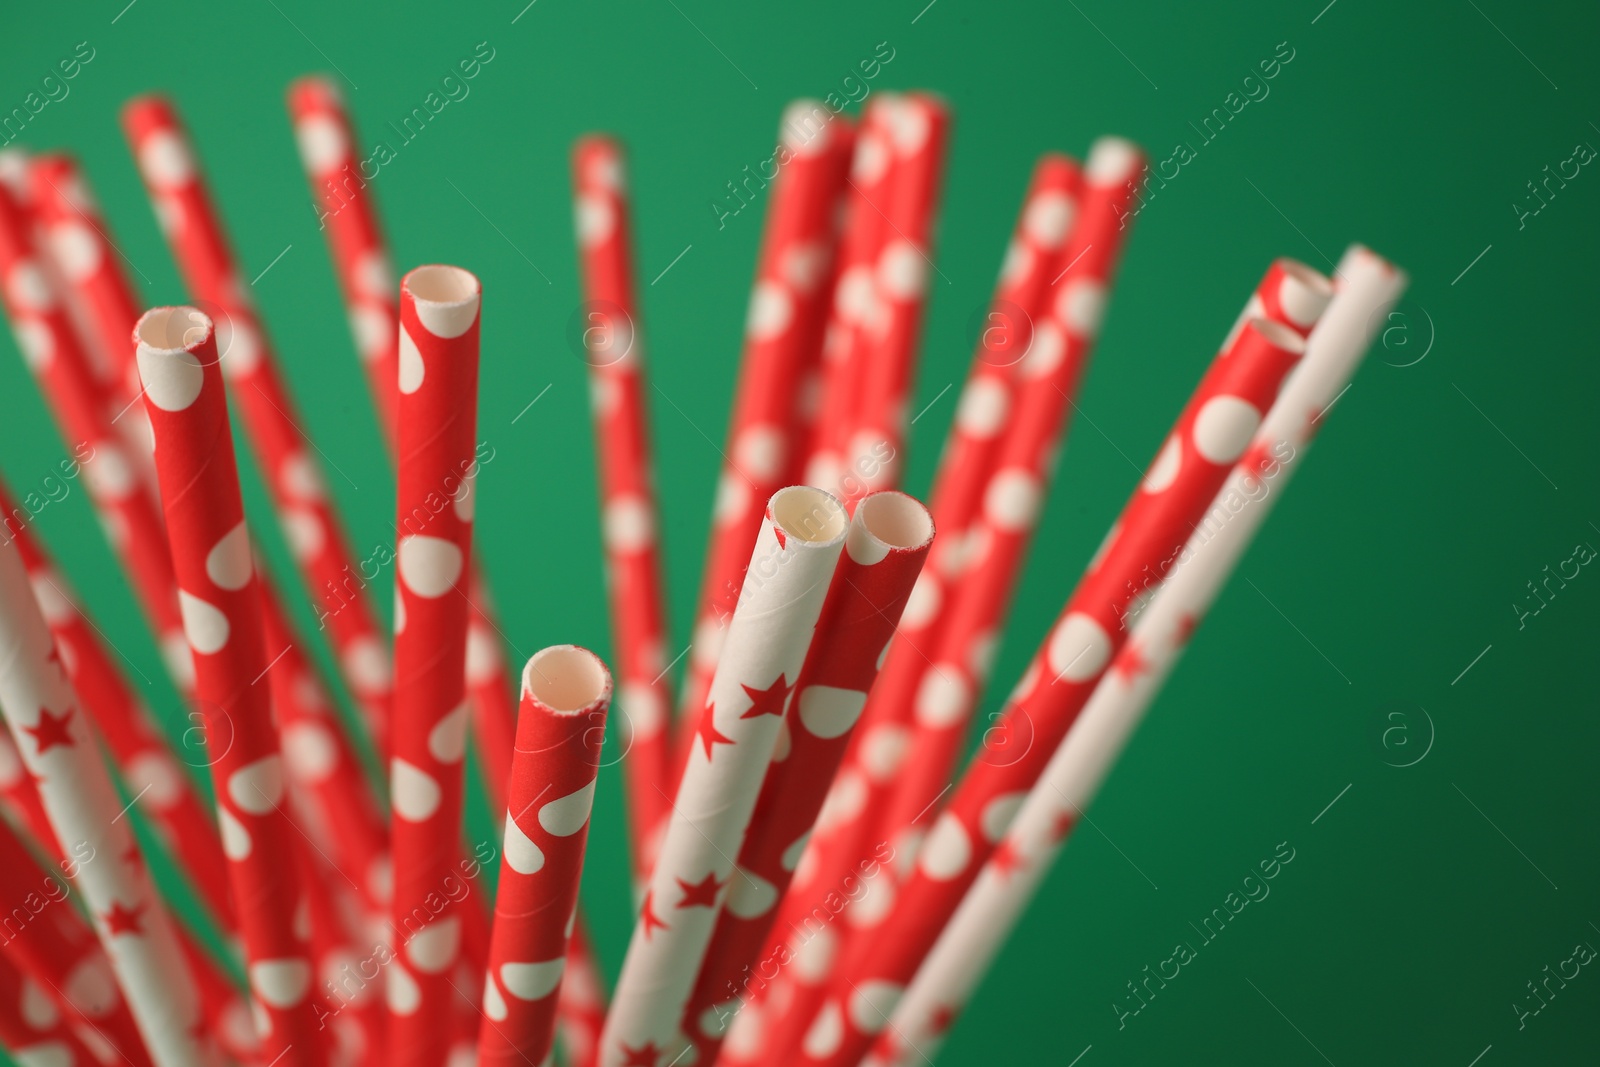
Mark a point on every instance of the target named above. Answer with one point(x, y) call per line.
point(566, 680)
point(807, 515)
point(885, 522)
point(166, 331)
point(1278, 335)
point(1113, 160)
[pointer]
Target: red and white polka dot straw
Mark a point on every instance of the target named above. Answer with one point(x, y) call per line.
point(1062, 257)
point(327, 142)
point(629, 518)
point(566, 692)
point(789, 298)
point(211, 555)
point(60, 753)
point(854, 311)
point(167, 796)
point(32, 1028)
point(795, 555)
point(887, 543)
point(1367, 287)
point(917, 128)
point(292, 473)
point(345, 212)
point(439, 324)
point(1212, 432)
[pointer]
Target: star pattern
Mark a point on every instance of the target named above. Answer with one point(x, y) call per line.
point(1132, 662)
point(1063, 825)
point(768, 701)
point(121, 920)
point(1006, 859)
point(943, 1017)
point(52, 730)
point(645, 1055)
point(701, 894)
point(1188, 623)
point(708, 733)
point(648, 917)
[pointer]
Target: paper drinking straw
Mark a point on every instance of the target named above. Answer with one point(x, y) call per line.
point(32, 1027)
point(795, 555)
point(630, 520)
point(581, 1003)
point(81, 803)
point(166, 794)
point(439, 323)
point(210, 546)
point(889, 538)
point(954, 679)
point(51, 943)
point(855, 312)
point(78, 401)
point(345, 213)
point(1072, 262)
point(1367, 288)
point(917, 128)
point(566, 692)
point(1214, 429)
point(349, 217)
point(782, 331)
point(194, 232)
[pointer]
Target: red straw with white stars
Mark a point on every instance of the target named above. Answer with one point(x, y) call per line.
point(788, 298)
point(59, 751)
point(1212, 432)
point(566, 692)
point(917, 128)
point(889, 538)
point(796, 553)
point(439, 324)
point(195, 236)
point(211, 556)
point(1367, 288)
point(629, 517)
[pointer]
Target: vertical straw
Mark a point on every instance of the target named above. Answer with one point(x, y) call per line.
point(81, 803)
point(889, 538)
point(1211, 433)
point(293, 475)
point(210, 547)
point(1367, 288)
point(795, 555)
point(438, 367)
point(789, 295)
point(566, 692)
point(630, 521)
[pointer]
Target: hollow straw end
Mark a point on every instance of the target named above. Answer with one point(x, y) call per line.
point(566, 680)
point(1113, 160)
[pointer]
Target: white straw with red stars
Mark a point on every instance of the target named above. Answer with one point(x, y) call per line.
point(1211, 433)
point(211, 557)
point(1367, 288)
point(889, 538)
point(194, 233)
point(439, 324)
point(629, 517)
point(59, 751)
point(566, 692)
point(788, 297)
point(795, 555)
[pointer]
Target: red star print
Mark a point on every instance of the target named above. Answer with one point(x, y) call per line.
point(120, 920)
point(132, 855)
point(708, 733)
point(768, 701)
point(1256, 460)
point(649, 918)
point(1006, 859)
point(701, 894)
point(1132, 662)
point(51, 731)
point(1187, 625)
point(643, 1056)
point(942, 1019)
point(1062, 826)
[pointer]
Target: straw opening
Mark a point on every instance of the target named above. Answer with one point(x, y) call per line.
point(807, 514)
point(169, 330)
point(1279, 334)
point(1314, 280)
point(566, 679)
point(896, 520)
point(440, 284)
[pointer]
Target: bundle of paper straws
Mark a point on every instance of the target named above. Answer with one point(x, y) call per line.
point(820, 881)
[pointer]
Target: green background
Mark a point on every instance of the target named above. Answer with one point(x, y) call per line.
point(1418, 905)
